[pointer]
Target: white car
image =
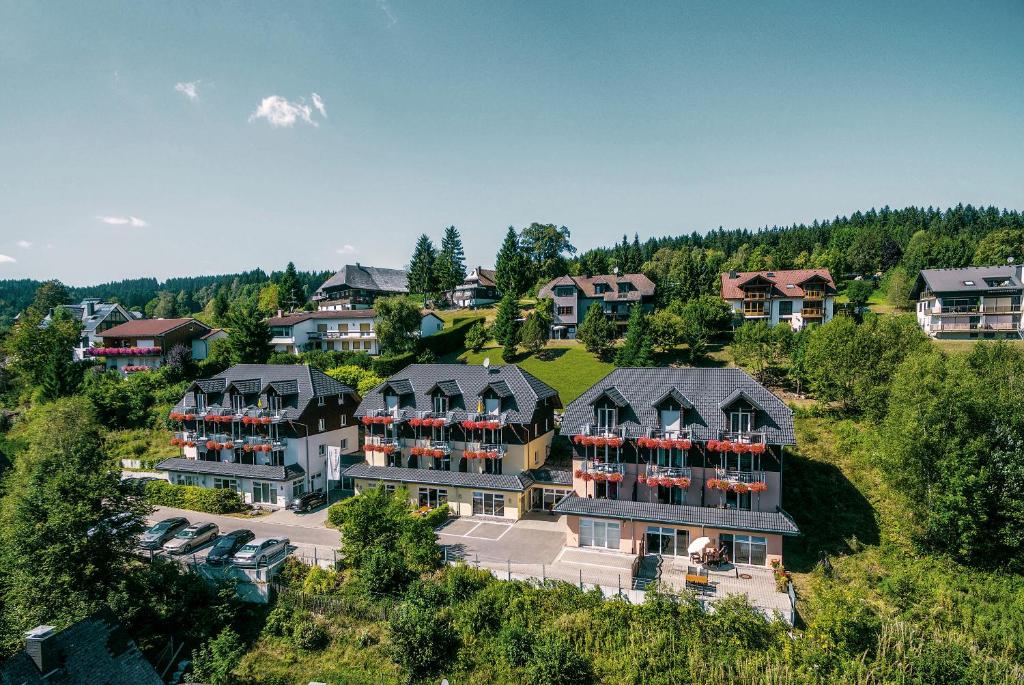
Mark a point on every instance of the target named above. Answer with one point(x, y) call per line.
point(191, 538)
point(260, 551)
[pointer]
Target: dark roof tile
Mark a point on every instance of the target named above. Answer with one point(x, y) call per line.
point(224, 468)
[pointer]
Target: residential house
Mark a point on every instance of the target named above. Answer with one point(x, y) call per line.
point(663, 456)
point(142, 345)
point(616, 293)
point(267, 431)
point(357, 286)
point(96, 649)
point(796, 296)
point(476, 437)
point(970, 303)
point(478, 290)
point(202, 346)
point(95, 316)
point(343, 330)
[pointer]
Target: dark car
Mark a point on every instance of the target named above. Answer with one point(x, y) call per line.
point(155, 537)
point(227, 545)
point(308, 502)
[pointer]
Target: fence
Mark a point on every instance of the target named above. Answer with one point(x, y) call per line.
point(378, 609)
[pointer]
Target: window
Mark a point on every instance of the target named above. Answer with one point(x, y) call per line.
point(390, 488)
point(746, 549)
point(298, 488)
point(741, 421)
point(735, 500)
point(488, 504)
point(391, 402)
point(225, 483)
point(492, 405)
point(264, 493)
point(321, 424)
point(594, 533)
point(238, 403)
point(547, 498)
point(440, 404)
point(565, 291)
point(565, 311)
point(785, 307)
point(344, 420)
point(670, 420)
point(323, 450)
point(188, 479)
point(968, 282)
point(320, 400)
point(344, 443)
point(200, 401)
point(666, 541)
point(606, 417)
point(432, 497)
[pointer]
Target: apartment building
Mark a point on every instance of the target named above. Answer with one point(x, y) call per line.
point(616, 293)
point(970, 303)
point(343, 330)
point(95, 317)
point(357, 286)
point(142, 345)
point(474, 437)
point(797, 297)
point(663, 456)
point(478, 290)
point(267, 431)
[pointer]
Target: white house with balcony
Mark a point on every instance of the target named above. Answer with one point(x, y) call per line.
point(976, 302)
point(796, 297)
point(341, 330)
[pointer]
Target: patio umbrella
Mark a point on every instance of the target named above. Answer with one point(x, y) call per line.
point(698, 545)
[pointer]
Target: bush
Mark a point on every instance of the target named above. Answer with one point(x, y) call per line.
point(309, 635)
point(555, 662)
point(207, 500)
point(388, 365)
point(279, 622)
point(451, 339)
point(422, 639)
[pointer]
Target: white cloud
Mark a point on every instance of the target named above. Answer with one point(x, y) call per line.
point(282, 113)
point(346, 249)
point(386, 9)
point(24, 244)
point(189, 89)
point(6, 259)
point(132, 221)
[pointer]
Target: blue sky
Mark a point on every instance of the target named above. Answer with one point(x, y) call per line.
point(157, 139)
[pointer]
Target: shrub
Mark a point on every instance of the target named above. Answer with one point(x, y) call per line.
point(515, 644)
point(388, 365)
point(309, 635)
point(421, 638)
point(555, 662)
point(452, 339)
point(279, 622)
point(207, 500)
point(320, 581)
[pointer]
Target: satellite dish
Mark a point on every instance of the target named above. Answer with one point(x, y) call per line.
point(487, 362)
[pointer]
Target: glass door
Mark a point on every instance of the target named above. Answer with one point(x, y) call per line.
point(264, 493)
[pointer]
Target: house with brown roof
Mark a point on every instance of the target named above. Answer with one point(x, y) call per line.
point(615, 293)
point(143, 344)
point(796, 296)
point(478, 290)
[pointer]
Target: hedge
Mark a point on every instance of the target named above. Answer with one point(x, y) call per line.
point(451, 339)
point(208, 500)
point(385, 366)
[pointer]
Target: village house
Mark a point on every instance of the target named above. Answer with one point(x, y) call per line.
point(342, 330)
point(615, 293)
point(143, 345)
point(357, 286)
point(970, 303)
point(796, 297)
point(95, 317)
point(271, 432)
point(478, 290)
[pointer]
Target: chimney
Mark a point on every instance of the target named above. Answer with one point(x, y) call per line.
point(40, 644)
point(733, 274)
point(90, 307)
point(279, 313)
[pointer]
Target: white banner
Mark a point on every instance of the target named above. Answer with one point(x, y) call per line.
point(333, 463)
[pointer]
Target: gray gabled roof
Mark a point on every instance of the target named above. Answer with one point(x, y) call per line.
point(78, 312)
point(612, 393)
point(674, 394)
point(224, 468)
point(524, 390)
point(367, 278)
point(304, 382)
point(707, 389)
point(455, 479)
point(448, 388)
point(954, 280)
point(682, 515)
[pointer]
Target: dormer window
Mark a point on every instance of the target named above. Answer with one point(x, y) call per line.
point(391, 402)
point(200, 401)
point(440, 404)
point(741, 421)
point(492, 405)
point(606, 417)
point(238, 402)
point(968, 282)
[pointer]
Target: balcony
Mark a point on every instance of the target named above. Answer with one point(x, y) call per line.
point(484, 421)
point(347, 335)
point(813, 296)
point(431, 448)
point(383, 445)
point(1000, 309)
point(744, 437)
point(756, 311)
point(123, 351)
point(484, 450)
point(812, 313)
point(655, 471)
point(960, 309)
point(601, 471)
point(1001, 326)
point(738, 481)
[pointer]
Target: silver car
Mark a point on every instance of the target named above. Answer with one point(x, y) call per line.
point(191, 538)
point(260, 551)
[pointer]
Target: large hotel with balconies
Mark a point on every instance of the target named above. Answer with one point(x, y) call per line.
point(474, 437)
point(796, 297)
point(664, 456)
point(270, 432)
point(970, 303)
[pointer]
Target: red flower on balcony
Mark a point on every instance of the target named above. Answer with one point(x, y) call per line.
point(712, 445)
point(740, 488)
point(366, 420)
point(228, 446)
point(615, 477)
point(759, 486)
point(758, 448)
point(683, 483)
point(212, 444)
point(415, 422)
point(683, 444)
point(642, 479)
point(587, 476)
point(711, 483)
point(578, 473)
point(440, 423)
point(247, 447)
point(369, 447)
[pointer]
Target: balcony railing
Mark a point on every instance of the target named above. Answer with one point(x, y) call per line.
point(604, 467)
point(484, 450)
point(383, 442)
point(1001, 326)
point(813, 296)
point(758, 311)
point(655, 471)
point(746, 477)
point(344, 335)
point(744, 437)
point(1000, 309)
point(755, 296)
point(431, 448)
point(812, 313)
point(123, 351)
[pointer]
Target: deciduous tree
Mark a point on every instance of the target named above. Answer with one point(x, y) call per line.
point(398, 322)
point(597, 332)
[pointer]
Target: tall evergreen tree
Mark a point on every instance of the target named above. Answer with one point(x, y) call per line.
point(220, 306)
point(422, 279)
point(597, 332)
point(249, 336)
point(637, 350)
point(450, 268)
point(49, 294)
point(290, 293)
point(506, 322)
point(511, 266)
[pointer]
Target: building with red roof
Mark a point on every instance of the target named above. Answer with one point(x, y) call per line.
point(796, 296)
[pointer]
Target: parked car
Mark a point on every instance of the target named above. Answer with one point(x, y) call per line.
point(259, 551)
point(308, 502)
point(136, 485)
point(156, 536)
point(192, 537)
point(115, 524)
point(226, 546)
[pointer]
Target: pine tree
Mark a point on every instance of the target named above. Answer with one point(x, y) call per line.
point(248, 338)
point(450, 268)
point(506, 324)
point(637, 349)
point(597, 332)
point(421, 267)
point(511, 265)
point(532, 335)
point(290, 293)
point(220, 307)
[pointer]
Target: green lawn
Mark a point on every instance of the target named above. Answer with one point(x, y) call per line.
point(564, 365)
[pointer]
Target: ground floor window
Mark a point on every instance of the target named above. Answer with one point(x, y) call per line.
point(432, 497)
point(488, 504)
point(347, 483)
point(746, 549)
point(225, 483)
point(298, 488)
point(671, 495)
point(666, 541)
point(547, 498)
point(390, 488)
point(595, 533)
point(187, 479)
point(264, 493)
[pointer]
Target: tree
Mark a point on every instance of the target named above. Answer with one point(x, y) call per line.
point(60, 555)
point(554, 661)
point(422, 638)
point(290, 293)
point(511, 266)
point(221, 305)
point(858, 293)
point(532, 337)
point(597, 332)
point(505, 329)
point(476, 337)
point(42, 353)
point(180, 362)
point(248, 340)
point(49, 295)
point(213, 662)
point(398, 322)
point(422, 279)
point(757, 346)
point(665, 329)
point(1000, 247)
point(636, 350)
point(450, 267)
point(270, 299)
point(165, 306)
point(546, 245)
point(363, 380)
